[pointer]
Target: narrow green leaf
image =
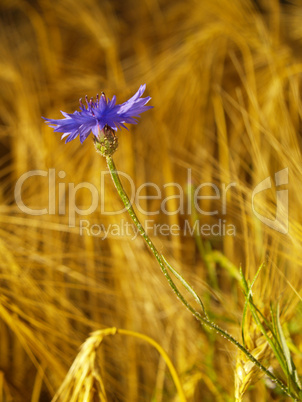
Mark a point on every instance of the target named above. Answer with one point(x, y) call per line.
point(245, 286)
point(283, 342)
point(255, 313)
point(186, 285)
point(243, 280)
point(278, 345)
point(247, 291)
point(290, 364)
point(225, 263)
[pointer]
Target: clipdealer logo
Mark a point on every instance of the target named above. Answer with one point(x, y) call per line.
point(161, 203)
point(280, 222)
point(128, 229)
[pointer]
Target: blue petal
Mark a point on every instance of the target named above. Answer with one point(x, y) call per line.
point(72, 136)
point(96, 115)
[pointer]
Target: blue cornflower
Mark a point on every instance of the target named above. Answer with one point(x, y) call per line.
point(96, 115)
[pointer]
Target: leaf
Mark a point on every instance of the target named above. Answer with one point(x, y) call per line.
point(248, 294)
point(186, 285)
point(290, 364)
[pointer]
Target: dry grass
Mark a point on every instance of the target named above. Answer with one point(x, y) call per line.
point(225, 81)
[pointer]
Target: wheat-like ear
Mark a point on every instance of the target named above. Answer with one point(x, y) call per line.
point(246, 373)
point(84, 381)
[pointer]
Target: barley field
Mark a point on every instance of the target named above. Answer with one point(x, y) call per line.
point(214, 174)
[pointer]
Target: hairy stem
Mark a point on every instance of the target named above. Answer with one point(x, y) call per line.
point(197, 315)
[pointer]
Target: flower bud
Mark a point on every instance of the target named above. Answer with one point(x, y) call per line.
point(106, 142)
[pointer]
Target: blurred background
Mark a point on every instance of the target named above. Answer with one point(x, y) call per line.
point(225, 82)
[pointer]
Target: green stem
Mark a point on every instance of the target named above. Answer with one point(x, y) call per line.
point(128, 206)
point(203, 320)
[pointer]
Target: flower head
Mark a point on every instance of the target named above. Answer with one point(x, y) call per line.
point(94, 116)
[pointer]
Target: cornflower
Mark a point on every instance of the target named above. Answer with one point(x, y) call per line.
point(100, 116)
